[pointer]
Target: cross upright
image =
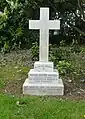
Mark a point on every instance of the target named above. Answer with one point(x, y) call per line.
point(44, 25)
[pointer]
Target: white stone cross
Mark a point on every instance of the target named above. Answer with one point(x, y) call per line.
point(44, 24)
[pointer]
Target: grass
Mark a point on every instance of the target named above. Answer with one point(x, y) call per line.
point(12, 71)
point(32, 107)
point(13, 74)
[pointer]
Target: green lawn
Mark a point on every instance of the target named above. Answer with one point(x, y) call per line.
point(30, 107)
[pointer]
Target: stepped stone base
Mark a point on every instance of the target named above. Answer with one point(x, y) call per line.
point(43, 80)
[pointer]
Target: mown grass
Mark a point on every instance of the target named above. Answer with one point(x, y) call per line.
point(32, 107)
point(13, 72)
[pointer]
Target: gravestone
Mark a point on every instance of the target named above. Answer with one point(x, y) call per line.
point(43, 79)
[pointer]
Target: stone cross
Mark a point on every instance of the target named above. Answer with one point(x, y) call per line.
point(44, 25)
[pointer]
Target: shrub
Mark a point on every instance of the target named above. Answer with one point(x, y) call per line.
point(65, 67)
point(35, 51)
point(59, 53)
point(14, 24)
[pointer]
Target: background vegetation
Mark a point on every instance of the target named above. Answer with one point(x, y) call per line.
point(15, 15)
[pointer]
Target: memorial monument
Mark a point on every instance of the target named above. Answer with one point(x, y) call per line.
point(43, 79)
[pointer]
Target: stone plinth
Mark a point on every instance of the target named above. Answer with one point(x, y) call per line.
point(43, 80)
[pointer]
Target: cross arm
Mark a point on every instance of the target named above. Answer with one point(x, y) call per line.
point(34, 24)
point(54, 24)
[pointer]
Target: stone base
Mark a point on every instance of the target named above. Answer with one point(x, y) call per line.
point(47, 88)
point(43, 80)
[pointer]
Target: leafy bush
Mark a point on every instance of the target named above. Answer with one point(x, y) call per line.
point(82, 50)
point(14, 25)
point(61, 56)
point(75, 48)
point(65, 67)
point(35, 51)
point(59, 53)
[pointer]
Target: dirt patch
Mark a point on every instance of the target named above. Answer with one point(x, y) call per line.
point(73, 90)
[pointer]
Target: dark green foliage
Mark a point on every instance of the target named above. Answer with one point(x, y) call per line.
point(59, 52)
point(65, 67)
point(14, 21)
point(14, 25)
point(35, 51)
point(67, 59)
point(61, 56)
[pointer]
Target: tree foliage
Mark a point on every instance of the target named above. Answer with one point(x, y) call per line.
point(15, 15)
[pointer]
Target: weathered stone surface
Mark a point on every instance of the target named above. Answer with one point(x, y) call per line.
point(43, 83)
point(35, 76)
point(53, 88)
point(43, 66)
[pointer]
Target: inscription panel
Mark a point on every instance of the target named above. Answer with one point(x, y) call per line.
point(43, 77)
point(43, 66)
point(44, 90)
